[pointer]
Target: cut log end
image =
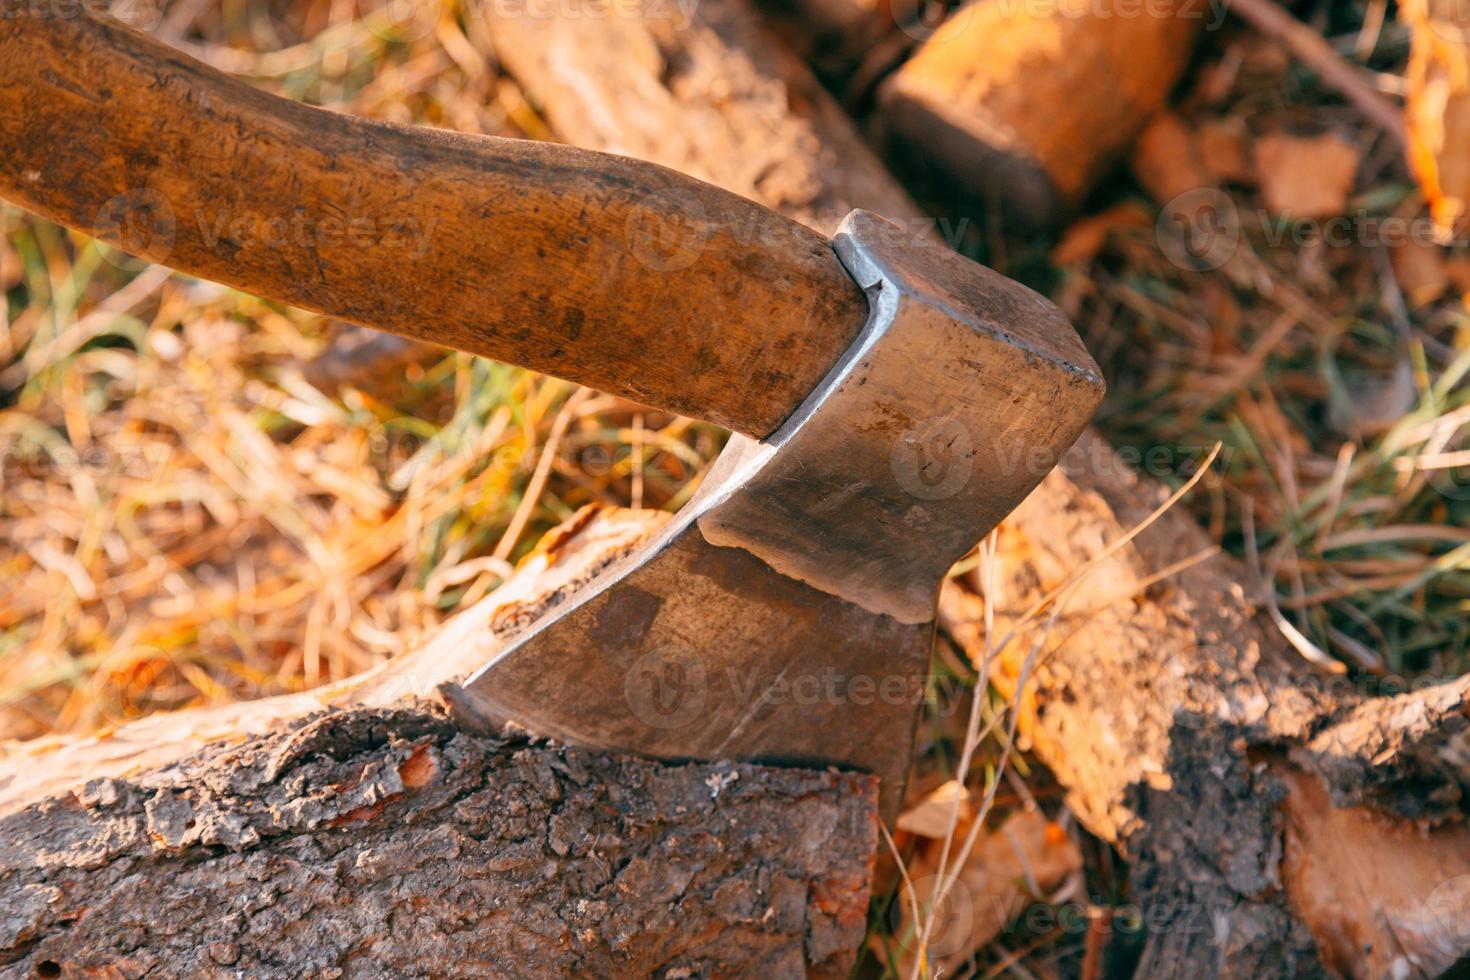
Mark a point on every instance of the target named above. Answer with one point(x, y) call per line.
point(1028, 109)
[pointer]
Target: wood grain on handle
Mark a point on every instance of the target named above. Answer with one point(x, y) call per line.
point(617, 274)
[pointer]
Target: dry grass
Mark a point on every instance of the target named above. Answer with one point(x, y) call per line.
point(1340, 399)
point(187, 519)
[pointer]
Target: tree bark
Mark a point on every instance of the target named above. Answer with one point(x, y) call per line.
point(369, 829)
point(1278, 821)
point(718, 98)
point(1183, 726)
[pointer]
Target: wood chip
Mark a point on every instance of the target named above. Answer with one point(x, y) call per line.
point(930, 816)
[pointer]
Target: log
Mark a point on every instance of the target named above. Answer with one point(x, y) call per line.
point(1278, 821)
point(1028, 105)
point(369, 829)
point(1182, 725)
point(1232, 837)
point(718, 96)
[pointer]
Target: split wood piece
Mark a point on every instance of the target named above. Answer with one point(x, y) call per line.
point(1271, 813)
point(719, 95)
point(364, 829)
point(1210, 845)
point(1029, 105)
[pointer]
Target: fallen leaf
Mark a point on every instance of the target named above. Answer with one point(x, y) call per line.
point(930, 816)
point(1375, 895)
point(1008, 869)
point(1306, 177)
point(1420, 269)
point(1165, 159)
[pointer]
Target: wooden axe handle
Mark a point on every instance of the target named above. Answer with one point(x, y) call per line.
point(617, 274)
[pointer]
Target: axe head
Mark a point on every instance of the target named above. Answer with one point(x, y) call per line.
point(786, 614)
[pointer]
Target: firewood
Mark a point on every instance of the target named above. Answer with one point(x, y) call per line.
point(1028, 105)
point(1270, 811)
point(1215, 811)
point(366, 829)
point(718, 98)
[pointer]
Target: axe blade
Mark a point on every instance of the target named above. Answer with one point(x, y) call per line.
point(786, 615)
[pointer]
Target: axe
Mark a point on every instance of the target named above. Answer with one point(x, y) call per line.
point(890, 400)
